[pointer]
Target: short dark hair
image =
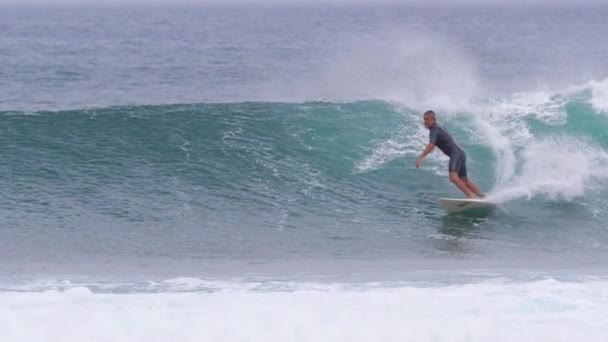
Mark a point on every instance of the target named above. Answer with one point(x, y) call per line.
point(430, 113)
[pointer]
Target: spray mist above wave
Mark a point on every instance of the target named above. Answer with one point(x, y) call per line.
point(405, 67)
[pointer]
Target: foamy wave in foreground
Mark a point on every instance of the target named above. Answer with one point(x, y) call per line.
point(546, 310)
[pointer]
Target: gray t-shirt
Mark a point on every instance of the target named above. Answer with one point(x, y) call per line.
point(442, 139)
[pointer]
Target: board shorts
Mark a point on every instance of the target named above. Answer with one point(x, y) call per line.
point(458, 164)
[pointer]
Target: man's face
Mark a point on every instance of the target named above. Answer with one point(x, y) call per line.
point(429, 121)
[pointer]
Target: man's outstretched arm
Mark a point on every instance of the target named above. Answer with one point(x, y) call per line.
point(428, 149)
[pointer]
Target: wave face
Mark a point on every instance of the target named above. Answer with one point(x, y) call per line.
point(303, 179)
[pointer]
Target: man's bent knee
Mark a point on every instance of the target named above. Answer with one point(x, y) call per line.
point(454, 176)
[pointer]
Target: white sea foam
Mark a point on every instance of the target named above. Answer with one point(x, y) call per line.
point(599, 92)
point(548, 162)
point(546, 310)
point(558, 168)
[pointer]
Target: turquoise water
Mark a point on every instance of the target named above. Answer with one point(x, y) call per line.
point(314, 179)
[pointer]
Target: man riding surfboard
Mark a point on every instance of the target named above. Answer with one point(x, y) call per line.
point(457, 168)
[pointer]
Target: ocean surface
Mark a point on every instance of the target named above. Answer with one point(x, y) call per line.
point(247, 172)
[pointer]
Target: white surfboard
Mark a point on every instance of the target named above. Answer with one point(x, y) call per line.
point(459, 205)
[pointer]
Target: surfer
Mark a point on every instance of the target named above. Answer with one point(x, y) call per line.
point(457, 167)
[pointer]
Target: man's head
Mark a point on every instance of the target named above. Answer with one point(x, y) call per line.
point(429, 118)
